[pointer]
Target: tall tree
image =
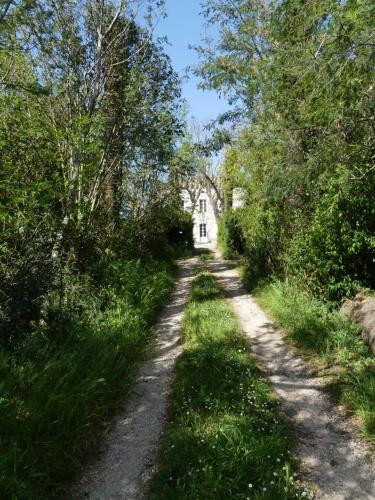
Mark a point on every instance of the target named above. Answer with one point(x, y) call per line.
point(89, 113)
point(302, 75)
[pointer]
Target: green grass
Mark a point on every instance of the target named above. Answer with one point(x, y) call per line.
point(225, 438)
point(205, 255)
point(60, 386)
point(331, 342)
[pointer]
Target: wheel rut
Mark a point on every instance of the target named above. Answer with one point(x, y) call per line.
point(129, 450)
point(334, 458)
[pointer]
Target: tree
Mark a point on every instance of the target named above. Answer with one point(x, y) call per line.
point(197, 171)
point(301, 74)
point(89, 118)
point(233, 62)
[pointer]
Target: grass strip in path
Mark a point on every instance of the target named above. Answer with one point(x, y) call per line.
point(205, 255)
point(225, 438)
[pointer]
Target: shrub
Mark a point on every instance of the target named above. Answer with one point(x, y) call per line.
point(180, 233)
point(334, 254)
point(230, 237)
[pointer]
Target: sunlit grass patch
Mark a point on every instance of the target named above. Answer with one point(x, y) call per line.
point(206, 255)
point(329, 340)
point(225, 438)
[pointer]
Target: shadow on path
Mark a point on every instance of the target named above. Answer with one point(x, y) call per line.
point(129, 450)
point(333, 456)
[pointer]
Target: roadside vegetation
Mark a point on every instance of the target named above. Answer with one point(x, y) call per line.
point(225, 438)
point(301, 74)
point(91, 219)
point(62, 382)
point(92, 162)
point(332, 343)
point(300, 77)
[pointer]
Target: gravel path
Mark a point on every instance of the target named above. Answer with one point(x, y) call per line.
point(130, 448)
point(333, 458)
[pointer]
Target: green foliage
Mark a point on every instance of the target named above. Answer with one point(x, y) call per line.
point(205, 255)
point(230, 61)
point(88, 121)
point(302, 74)
point(60, 385)
point(180, 233)
point(225, 438)
point(335, 254)
point(230, 238)
point(326, 337)
point(89, 116)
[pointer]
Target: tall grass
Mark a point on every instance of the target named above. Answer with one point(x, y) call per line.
point(60, 385)
point(205, 254)
point(330, 340)
point(225, 438)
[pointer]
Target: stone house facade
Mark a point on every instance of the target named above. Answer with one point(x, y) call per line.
point(205, 223)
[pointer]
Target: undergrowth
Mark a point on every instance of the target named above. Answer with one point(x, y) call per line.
point(61, 383)
point(225, 438)
point(330, 340)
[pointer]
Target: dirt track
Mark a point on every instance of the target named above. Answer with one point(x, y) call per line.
point(130, 448)
point(333, 458)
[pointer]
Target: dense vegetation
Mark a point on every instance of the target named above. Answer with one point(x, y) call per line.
point(300, 75)
point(63, 381)
point(90, 219)
point(90, 211)
point(225, 438)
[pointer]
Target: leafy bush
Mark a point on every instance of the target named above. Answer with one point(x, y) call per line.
point(334, 254)
point(24, 289)
point(230, 238)
point(328, 247)
point(180, 234)
point(253, 232)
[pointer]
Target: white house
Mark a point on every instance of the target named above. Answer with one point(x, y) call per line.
point(205, 223)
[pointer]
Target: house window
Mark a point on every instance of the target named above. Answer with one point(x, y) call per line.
point(202, 206)
point(202, 230)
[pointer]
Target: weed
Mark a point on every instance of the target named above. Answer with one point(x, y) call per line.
point(206, 256)
point(62, 383)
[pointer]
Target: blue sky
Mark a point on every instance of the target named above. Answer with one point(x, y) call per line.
point(183, 26)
